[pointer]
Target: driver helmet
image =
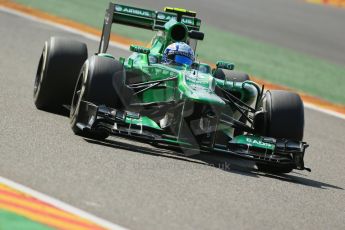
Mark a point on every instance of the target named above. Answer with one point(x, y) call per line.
point(178, 53)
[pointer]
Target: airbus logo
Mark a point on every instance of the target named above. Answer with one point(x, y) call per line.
point(132, 11)
point(118, 8)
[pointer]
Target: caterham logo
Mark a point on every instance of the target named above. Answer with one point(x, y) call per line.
point(188, 21)
point(258, 142)
point(161, 16)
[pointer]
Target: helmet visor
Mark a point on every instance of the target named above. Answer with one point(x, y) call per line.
point(183, 60)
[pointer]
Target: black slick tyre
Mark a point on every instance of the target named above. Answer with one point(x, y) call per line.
point(284, 118)
point(95, 85)
point(284, 115)
point(57, 73)
point(231, 75)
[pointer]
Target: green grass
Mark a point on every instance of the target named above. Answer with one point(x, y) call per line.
point(278, 65)
point(10, 220)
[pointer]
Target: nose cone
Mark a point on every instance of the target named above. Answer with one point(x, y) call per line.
point(200, 87)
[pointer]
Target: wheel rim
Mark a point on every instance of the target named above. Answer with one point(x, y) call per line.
point(40, 70)
point(78, 95)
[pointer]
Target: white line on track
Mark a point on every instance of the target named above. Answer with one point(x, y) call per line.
point(124, 47)
point(322, 110)
point(61, 205)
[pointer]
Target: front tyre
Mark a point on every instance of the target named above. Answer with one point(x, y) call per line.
point(284, 118)
point(95, 85)
point(284, 115)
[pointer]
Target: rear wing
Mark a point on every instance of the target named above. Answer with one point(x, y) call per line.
point(143, 18)
point(149, 19)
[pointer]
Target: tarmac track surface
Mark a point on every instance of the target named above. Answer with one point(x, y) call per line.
point(142, 187)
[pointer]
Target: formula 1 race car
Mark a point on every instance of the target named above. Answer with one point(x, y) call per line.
point(161, 95)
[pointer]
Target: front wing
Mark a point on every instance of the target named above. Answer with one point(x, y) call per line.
point(285, 152)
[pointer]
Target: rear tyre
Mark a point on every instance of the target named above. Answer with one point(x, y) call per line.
point(95, 85)
point(231, 75)
point(284, 118)
point(57, 73)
